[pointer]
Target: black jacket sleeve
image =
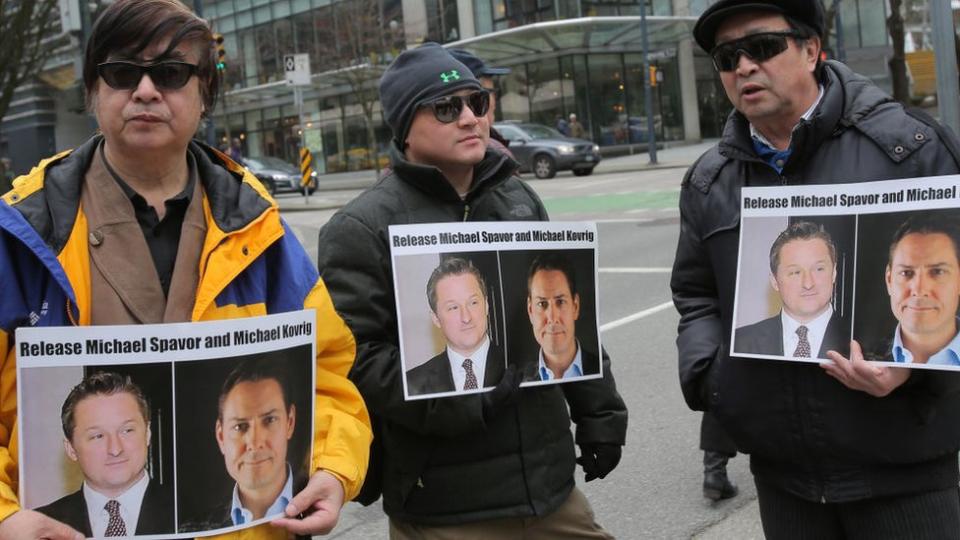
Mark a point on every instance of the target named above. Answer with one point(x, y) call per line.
point(700, 333)
point(354, 262)
point(597, 408)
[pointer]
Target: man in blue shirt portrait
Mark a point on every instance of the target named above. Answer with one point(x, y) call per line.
point(923, 280)
point(553, 305)
point(256, 421)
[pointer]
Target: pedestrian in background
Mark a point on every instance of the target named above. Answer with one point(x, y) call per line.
point(6, 175)
point(576, 128)
point(562, 126)
point(718, 449)
point(236, 150)
point(499, 464)
point(485, 74)
point(844, 449)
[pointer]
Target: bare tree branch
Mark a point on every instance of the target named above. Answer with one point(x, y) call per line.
point(24, 24)
point(364, 37)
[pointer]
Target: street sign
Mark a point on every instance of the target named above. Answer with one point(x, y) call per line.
point(296, 68)
point(306, 167)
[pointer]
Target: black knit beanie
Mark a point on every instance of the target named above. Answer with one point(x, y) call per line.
point(415, 77)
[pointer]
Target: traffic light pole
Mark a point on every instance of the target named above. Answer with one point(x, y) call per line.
point(211, 130)
point(648, 87)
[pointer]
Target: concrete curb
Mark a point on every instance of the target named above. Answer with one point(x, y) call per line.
point(344, 182)
point(300, 207)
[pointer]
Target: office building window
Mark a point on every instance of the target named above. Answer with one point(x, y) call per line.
point(514, 102)
point(546, 91)
point(608, 110)
point(443, 24)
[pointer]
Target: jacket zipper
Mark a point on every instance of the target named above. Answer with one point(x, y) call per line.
point(70, 314)
point(466, 211)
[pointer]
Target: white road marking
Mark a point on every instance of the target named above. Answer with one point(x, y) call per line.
point(635, 317)
point(636, 270)
point(591, 184)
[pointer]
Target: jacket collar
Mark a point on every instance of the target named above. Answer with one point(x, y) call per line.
point(847, 98)
point(493, 169)
point(51, 211)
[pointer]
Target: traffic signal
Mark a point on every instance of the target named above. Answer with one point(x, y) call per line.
point(221, 54)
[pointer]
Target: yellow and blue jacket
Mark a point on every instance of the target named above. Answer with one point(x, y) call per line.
point(251, 265)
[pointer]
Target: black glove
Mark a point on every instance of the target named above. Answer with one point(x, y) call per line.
point(504, 394)
point(598, 459)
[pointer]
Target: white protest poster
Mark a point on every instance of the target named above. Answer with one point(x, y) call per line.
point(876, 262)
point(169, 421)
point(475, 297)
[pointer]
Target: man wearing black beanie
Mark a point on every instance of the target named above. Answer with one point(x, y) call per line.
point(490, 465)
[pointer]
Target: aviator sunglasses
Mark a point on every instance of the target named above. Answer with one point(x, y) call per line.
point(759, 47)
point(170, 75)
point(447, 109)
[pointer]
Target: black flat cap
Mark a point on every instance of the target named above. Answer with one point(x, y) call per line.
point(809, 12)
point(476, 65)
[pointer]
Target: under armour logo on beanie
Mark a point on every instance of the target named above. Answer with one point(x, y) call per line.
point(454, 75)
point(415, 77)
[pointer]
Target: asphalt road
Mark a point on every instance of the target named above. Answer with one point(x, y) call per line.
point(655, 491)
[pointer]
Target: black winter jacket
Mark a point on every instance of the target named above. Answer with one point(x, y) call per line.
point(806, 432)
point(443, 462)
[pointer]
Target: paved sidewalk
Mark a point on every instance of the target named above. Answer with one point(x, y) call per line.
point(676, 156)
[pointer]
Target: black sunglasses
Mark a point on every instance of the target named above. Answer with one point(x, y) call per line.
point(165, 75)
point(447, 109)
point(759, 47)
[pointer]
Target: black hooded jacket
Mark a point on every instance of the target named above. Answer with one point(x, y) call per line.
point(805, 431)
point(442, 461)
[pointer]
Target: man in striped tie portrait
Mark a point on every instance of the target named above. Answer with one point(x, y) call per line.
point(456, 292)
point(803, 270)
point(106, 429)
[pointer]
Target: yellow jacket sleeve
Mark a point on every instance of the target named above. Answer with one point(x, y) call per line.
point(9, 502)
point(341, 425)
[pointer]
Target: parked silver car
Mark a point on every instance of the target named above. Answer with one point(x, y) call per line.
point(544, 150)
point(277, 175)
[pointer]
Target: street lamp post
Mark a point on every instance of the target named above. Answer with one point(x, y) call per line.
point(647, 86)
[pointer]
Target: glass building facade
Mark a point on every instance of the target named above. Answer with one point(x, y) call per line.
point(602, 84)
point(605, 90)
point(566, 56)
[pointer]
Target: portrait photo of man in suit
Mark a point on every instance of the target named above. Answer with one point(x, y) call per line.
point(456, 293)
point(553, 307)
point(923, 281)
point(255, 423)
point(106, 429)
point(803, 270)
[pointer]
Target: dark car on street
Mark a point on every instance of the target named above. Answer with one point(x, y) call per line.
point(544, 150)
point(277, 175)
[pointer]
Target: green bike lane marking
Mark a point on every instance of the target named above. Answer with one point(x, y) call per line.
point(612, 201)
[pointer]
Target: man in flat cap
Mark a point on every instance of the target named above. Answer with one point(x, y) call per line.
point(846, 449)
point(496, 464)
point(485, 74)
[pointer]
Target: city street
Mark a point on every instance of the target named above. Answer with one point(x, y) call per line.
point(655, 491)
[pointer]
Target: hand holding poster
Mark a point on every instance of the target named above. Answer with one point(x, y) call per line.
point(177, 430)
point(474, 299)
point(874, 262)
